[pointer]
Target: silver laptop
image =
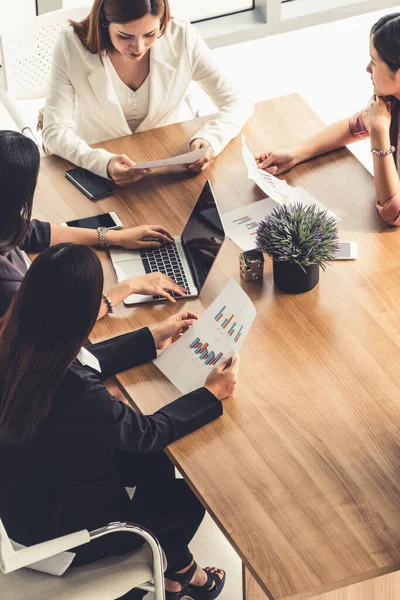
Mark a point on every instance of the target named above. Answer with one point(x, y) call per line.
point(188, 260)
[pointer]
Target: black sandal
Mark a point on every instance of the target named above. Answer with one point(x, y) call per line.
point(210, 590)
point(183, 579)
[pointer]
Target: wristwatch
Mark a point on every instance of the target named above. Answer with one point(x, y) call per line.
point(102, 232)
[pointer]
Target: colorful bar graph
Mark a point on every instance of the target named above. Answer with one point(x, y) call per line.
point(237, 337)
point(219, 314)
point(204, 353)
point(227, 323)
point(250, 225)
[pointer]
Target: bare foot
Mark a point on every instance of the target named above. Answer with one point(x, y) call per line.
point(199, 578)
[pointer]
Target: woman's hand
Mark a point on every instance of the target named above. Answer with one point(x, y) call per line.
point(277, 162)
point(205, 161)
point(120, 171)
point(171, 330)
point(377, 115)
point(138, 237)
point(156, 284)
point(223, 379)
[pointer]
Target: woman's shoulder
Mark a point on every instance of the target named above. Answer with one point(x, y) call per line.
point(68, 42)
point(178, 30)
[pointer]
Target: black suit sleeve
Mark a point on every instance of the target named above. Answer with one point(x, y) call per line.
point(89, 411)
point(124, 351)
point(37, 237)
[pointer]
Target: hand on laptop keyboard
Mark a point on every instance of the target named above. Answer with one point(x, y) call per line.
point(157, 284)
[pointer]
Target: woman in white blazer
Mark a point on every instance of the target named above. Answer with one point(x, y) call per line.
point(125, 69)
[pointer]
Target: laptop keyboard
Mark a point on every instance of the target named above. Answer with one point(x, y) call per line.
point(165, 260)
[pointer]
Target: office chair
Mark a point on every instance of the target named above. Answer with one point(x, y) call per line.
point(106, 579)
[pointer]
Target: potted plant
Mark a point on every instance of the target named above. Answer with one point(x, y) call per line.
point(300, 239)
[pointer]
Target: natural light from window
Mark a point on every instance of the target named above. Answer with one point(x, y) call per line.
point(195, 10)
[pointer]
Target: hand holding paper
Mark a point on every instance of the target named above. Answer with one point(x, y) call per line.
point(181, 159)
point(216, 336)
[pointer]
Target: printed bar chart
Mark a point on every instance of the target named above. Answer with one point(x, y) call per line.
point(229, 322)
point(209, 357)
point(249, 223)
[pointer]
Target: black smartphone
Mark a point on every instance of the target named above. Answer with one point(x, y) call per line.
point(108, 220)
point(93, 186)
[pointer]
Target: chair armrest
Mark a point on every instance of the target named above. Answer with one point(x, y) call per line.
point(16, 559)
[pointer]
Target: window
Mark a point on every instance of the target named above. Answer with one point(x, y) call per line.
point(193, 10)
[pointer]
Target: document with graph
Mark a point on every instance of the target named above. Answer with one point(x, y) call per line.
point(242, 223)
point(216, 336)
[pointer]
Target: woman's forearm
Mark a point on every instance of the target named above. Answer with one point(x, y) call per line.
point(79, 235)
point(76, 235)
point(386, 178)
point(332, 137)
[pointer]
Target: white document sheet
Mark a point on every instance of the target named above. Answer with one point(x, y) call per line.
point(241, 224)
point(181, 159)
point(217, 336)
point(273, 187)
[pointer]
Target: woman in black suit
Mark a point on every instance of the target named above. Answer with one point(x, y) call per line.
point(19, 168)
point(68, 448)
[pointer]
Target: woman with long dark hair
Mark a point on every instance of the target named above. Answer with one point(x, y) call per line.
point(68, 449)
point(379, 121)
point(125, 69)
point(19, 168)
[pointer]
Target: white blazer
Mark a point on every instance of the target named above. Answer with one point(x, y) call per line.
point(82, 107)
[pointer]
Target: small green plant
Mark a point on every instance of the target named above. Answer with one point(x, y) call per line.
point(305, 235)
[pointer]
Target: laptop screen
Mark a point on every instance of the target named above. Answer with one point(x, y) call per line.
point(203, 235)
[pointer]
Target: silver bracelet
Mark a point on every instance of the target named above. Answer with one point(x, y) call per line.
point(110, 305)
point(376, 152)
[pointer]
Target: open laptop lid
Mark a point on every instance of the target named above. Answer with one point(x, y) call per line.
point(203, 235)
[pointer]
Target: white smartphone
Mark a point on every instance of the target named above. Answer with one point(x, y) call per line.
point(347, 251)
point(110, 220)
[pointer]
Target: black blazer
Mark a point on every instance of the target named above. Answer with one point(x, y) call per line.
point(66, 479)
point(13, 266)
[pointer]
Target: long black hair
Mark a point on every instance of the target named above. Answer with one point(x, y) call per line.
point(48, 321)
point(386, 33)
point(19, 168)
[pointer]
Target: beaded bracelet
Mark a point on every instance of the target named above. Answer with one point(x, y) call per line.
point(376, 152)
point(110, 305)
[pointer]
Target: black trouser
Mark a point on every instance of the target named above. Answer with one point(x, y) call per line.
point(164, 505)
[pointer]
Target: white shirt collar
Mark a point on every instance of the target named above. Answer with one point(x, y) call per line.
point(88, 359)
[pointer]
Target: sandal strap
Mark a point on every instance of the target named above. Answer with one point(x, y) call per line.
point(182, 578)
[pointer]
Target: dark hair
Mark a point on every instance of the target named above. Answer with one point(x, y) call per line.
point(93, 31)
point(386, 34)
point(49, 319)
point(19, 168)
point(386, 41)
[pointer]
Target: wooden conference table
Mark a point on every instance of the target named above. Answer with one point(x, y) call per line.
point(302, 472)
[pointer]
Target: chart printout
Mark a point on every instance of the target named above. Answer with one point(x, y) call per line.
point(216, 336)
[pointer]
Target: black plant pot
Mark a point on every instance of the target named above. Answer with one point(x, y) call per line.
point(291, 278)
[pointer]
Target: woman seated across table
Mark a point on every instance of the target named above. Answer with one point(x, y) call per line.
point(379, 121)
point(19, 167)
point(125, 69)
point(68, 448)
